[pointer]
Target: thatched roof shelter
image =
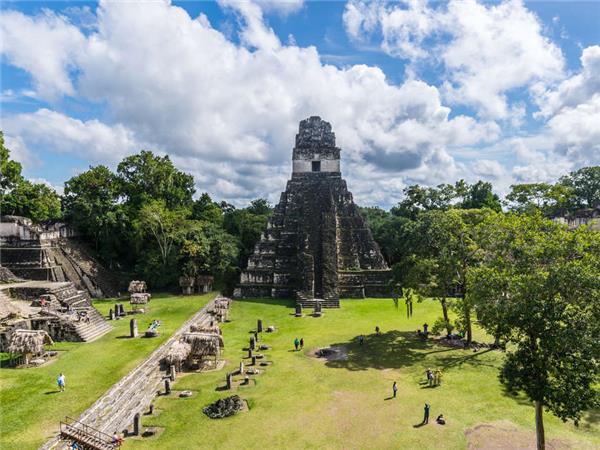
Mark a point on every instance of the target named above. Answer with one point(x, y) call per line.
point(222, 303)
point(204, 344)
point(178, 353)
point(200, 328)
point(29, 341)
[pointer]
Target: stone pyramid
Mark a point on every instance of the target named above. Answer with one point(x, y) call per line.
point(316, 245)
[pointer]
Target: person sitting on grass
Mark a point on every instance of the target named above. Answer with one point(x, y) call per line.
point(440, 420)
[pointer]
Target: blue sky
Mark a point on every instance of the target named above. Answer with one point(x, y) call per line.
point(416, 92)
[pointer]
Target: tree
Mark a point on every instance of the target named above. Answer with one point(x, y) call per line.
point(145, 177)
point(585, 184)
point(36, 201)
point(206, 248)
point(481, 195)
point(10, 171)
point(162, 224)
point(206, 210)
point(529, 198)
point(91, 204)
point(445, 249)
point(539, 288)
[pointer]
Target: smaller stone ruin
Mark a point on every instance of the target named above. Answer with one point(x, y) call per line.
point(137, 293)
point(224, 407)
point(187, 285)
point(202, 284)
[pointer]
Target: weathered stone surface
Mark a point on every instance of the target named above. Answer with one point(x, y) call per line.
point(316, 245)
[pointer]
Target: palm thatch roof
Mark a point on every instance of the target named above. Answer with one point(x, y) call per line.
point(204, 344)
point(222, 303)
point(178, 353)
point(201, 328)
point(28, 341)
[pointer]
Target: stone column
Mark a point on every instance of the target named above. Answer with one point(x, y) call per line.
point(254, 360)
point(116, 310)
point(137, 424)
point(133, 328)
point(298, 310)
point(259, 327)
point(249, 353)
point(167, 386)
point(151, 409)
point(255, 336)
point(252, 343)
point(229, 381)
point(172, 372)
point(241, 367)
point(111, 314)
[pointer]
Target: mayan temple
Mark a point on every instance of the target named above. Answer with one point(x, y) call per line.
point(316, 246)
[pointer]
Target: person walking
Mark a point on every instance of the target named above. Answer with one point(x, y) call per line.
point(61, 382)
point(361, 339)
point(377, 330)
point(426, 413)
point(395, 388)
point(301, 343)
point(296, 343)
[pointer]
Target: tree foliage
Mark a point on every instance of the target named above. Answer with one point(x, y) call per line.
point(539, 289)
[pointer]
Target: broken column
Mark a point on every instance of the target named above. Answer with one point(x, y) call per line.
point(133, 328)
point(137, 424)
point(259, 326)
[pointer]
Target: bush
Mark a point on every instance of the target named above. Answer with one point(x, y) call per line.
point(439, 326)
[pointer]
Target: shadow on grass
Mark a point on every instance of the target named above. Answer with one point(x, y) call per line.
point(458, 360)
point(391, 350)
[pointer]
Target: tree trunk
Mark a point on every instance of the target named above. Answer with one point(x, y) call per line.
point(469, 327)
point(445, 312)
point(539, 425)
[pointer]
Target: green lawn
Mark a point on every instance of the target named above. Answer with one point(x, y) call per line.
point(31, 407)
point(302, 402)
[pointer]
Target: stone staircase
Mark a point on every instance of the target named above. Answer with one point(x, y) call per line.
point(95, 328)
point(115, 410)
point(311, 302)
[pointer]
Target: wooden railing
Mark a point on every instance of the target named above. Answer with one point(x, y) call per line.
point(88, 437)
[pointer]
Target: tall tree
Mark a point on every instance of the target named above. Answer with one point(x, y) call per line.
point(445, 250)
point(549, 199)
point(91, 204)
point(481, 195)
point(145, 177)
point(539, 289)
point(36, 201)
point(10, 170)
point(162, 224)
point(585, 184)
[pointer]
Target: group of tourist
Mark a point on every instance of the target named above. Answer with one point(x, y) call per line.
point(434, 378)
point(299, 344)
point(425, 333)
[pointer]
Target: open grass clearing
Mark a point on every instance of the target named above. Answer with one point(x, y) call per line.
point(305, 402)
